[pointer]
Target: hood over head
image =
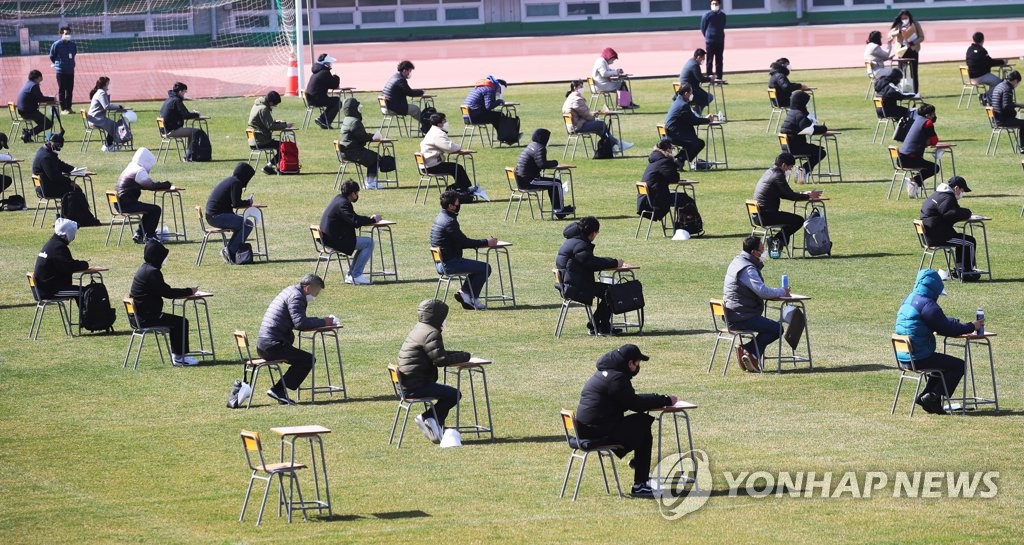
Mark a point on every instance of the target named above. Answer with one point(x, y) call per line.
point(572, 230)
point(144, 159)
point(350, 108)
point(541, 136)
point(609, 54)
point(799, 101)
point(65, 228)
point(155, 253)
point(929, 284)
point(433, 312)
point(243, 172)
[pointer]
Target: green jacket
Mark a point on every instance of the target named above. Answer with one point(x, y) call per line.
point(261, 121)
point(353, 134)
point(423, 350)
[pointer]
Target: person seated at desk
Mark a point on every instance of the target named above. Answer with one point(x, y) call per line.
point(1004, 105)
point(483, 101)
point(29, 100)
point(875, 54)
point(149, 291)
point(433, 147)
point(447, 236)
point(263, 125)
point(55, 265)
point(661, 172)
point(770, 189)
point(920, 318)
point(798, 125)
point(608, 79)
point(225, 198)
point(339, 225)
point(577, 263)
point(606, 396)
point(99, 105)
point(55, 183)
point(287, 312)
point(397, 92)
point(681, 128)
point(744, 293)
point(778, 79)
point(421, 354)
point(920, 136)
point(133, 179)
point(583, 121)
point(5, 180)
point(532, 161)
point(353, 140)
point(317, 89)
point(692, 75)
point(980, 65)
point(940, 213)
point(175, 114)
point(887, 88)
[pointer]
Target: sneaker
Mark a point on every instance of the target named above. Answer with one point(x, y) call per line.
point(371, 183)
point(361, 280)
point(321, 124)
point(138, 239)
point(66, 112)
point(642, 490)
point(269, 169)
point(183, 360)
point(227, 256)
point(911, 189)
point(479, 304)
point(625, 145)
point(436, 429)
point(26, 136)
point(281, 397)
point(740, 353)
point(930, 403)
point(465, 300)
point(750, 363)
point(428, 429)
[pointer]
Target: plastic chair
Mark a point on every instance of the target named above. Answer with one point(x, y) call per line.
point(343, 165)
point(62, 304)
point(518, 194)
point(166, 141)
point(882, 122)
point(902, 345)
point(405, 403)
point(722, 333)
point(773, 101)
point(207, 232)
point(324, 254)
point(161, 333)
point(643, 192)
point(574, 137)
point(265, 472)
point(784, 148)
point(251, 366)
point(17, 121)
point(474, 130)
point(427, 179)
point(897, 170)
point(970, 86)
point(759, 229)
point(129, 219)
point(581, 450)
point(997, 131)
point(566, 303)
point(871, 80)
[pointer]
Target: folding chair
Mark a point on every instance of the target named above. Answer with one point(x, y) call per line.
point(391, 118)
point(161, 333)
point(929, 251)
point(610, 98)
point(882, 122)
point(324, 254)
point(447, 278)
point(897, 170)
point(251, 366)
point(970, 86)
point(997, 131)
point(722, 333)
point(17, 121)
point(89, 128)
point(256, 151)
point(773, 101)
point(519, 194)
point(43, 202)
point(784, 147)
point(871, 80)
point(309, 110)
point(643, 193)
point(166, 141)
point(343, 165)
point(574, 137)
point(62, 303)
point(129, 219)
point(405, 403)
point(581, 450)
point(207, 232)
point(909, 371)
point(428, 179)
point(266, 472)
point(566, 303)
point(474, 130)
point(759, 229)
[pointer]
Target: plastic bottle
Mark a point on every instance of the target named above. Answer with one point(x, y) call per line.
point(785, 284)
point(981, 317)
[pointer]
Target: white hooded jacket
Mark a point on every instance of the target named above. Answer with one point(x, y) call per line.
point(136, 177)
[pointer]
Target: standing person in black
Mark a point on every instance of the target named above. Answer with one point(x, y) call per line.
point(980, 65)
point(532, 161)
point(712, 26)
point(778, 79)
point(940, 213)
point(911, 153)
point(149, 291)
point(225, 198)
point(1004, 105)
point(577, 263)
point(770, 189)
point(662, 171)
point(797, 126)
point(29, 100)
point(338, 226)
point(55, 265)
point(606, 396)
point(397, 92)
point(175, 113)
point(319, 84)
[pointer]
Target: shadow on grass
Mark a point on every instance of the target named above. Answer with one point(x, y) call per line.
point(525, 307)
point(859, 368)
point(674, 332)
point(19, 305)
point(341, 518)
point(528, 439)
point(394, 515)
point(994, 196)
point(409, 281)
point(390, 397)
point(867, 256)
point(742, 492)
point(296, 260)
point(723, 235)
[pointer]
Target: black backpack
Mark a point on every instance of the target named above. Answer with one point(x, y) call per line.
point(200, 150)
point(387, 163)
point(605, 149)
point(508, 131)
point(244, 254)
point(75, 207)
point(94, 310)
point(12, 203)
point(903, 128)
point(687, 217)
point(625, 297)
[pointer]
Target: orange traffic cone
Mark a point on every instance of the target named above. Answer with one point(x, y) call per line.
point(293, 77)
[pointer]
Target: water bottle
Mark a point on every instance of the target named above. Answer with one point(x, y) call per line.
point(774, 248)
point(785, 281)
point(981, 317)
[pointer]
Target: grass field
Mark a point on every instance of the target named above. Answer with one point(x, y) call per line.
point(93, 453)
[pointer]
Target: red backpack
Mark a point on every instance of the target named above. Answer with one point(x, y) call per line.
point(289, 158)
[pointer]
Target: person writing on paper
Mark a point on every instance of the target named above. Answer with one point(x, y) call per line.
point(149, 291)
point(940, 213)
point(483, 102)
point(422, 352)
point(5, 180)
point(55, 265)
point(909, 34)
point(875, 54)
point(681, 128)
point(263, 125)
point(397, 92)
point(1004, 105)
point(744, 293)
point(601, 417)
point(29, 100)
point(287, 312)
point(887, 88)
point(339, 225)
point(577, 263)
point(920, 318)
point(712, 26)
point(661, 172)
point(911, 153)
point(583, 120)
point(133, 179)
point(798, 125)
point(317, 89)
point(769, 192)
point(433, 147)
point(446, 234)
point(778, 79)
point(532, 161)
point(610, 79)
point(691, 74)
point(980, 65)
point(175, 114)
point(225, 198)
point(99, 105)
point(55, 183)
point(354, 138)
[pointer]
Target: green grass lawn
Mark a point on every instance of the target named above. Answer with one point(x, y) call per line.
point(93, 453)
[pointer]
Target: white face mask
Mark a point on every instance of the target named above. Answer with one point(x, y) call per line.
point(906, 21)
point(445, 127)
point(309, 298)
point(66, 37)
point(359, 108)
point(184, 96)
point(164, 264)
point(958, 194)
point(715, 8)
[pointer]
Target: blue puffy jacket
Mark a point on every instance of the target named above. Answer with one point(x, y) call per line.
point(920, 316)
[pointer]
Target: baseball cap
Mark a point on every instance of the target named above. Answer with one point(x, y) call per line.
point(632, 352)
point(959, 181)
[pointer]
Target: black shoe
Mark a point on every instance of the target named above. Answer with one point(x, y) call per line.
point(643, 491)
point(604, 330)
point(281, 397)
point(930, 403)
point(269, 170)
point(138, 239)
point(321, 124)
point(466, 304)
point(26, 136)
point(227, 256)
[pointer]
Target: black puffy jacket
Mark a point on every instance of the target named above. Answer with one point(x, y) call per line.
point(1003, 102)
point(779, 80)
point(149, 288)
point(939, 213)
point(577, 262)
point(797, 119)
point(320, 82)
point(227, 195)
point(661, 171)
point(608, 394)
point(534, 159)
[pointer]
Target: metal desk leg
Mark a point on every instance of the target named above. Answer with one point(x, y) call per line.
point(475, 427)
point(382, 272)
point(177, 215)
